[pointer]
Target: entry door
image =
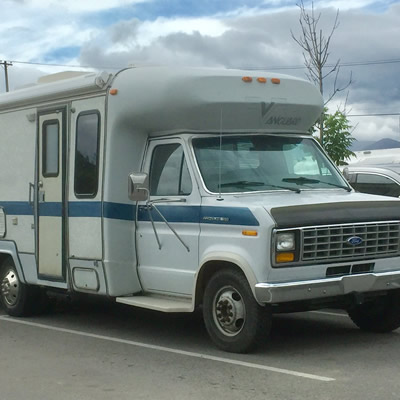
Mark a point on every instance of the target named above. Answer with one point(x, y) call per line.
point(50, 195)
point(167, 263)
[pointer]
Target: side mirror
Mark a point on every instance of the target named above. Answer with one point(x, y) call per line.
point(138, 186)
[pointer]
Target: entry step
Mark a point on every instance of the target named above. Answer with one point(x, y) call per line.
point(158, 303)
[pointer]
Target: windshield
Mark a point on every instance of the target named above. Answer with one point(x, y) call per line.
point(263, 162)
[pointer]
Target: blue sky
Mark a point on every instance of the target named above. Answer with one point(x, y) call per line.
point(105, 34)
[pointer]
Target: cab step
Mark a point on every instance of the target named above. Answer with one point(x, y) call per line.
point(158, 303)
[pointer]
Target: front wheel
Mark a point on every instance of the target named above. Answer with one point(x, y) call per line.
point(233, 319)
point(15, 296)
point(379, 315)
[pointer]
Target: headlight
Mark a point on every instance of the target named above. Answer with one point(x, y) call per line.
point(285, 241)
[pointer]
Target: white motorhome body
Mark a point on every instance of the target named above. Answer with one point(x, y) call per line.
point(208, 227)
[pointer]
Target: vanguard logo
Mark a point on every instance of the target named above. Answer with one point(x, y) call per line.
point(283, 121)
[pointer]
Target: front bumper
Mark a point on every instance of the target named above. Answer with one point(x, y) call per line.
point(329, 287)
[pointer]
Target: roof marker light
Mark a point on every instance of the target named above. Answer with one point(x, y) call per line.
point(276, 81)
point(113, 92)
point(247, 79)
point(262, 80)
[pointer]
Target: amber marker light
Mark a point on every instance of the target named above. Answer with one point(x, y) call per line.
point(284, 257)
point(247, 79)
point(113, 92)
point(262, 80)
point(276, 81)
point(249, 233)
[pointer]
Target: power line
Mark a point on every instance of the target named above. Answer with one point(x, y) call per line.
point(372, 115)
point(281, 67)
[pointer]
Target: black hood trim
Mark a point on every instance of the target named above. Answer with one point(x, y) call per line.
point(336, 213)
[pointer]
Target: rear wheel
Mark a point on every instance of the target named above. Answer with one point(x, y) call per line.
point(234, 320)
point(16, 297)
point(380, 315)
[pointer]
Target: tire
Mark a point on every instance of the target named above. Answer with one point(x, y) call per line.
point(16, 298)
point(234, 320)
point(380, 315)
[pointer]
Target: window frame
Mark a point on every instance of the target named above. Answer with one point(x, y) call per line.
point(98, 133)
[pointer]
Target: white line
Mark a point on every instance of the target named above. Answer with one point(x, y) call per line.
point(171, 350)
point(330, 313)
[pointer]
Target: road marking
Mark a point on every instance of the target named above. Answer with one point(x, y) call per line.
point(330, 313)
point(172, 350)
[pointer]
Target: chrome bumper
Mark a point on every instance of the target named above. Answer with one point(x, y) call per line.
point(329, 287)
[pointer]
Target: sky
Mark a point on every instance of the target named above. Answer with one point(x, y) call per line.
point(42, 37)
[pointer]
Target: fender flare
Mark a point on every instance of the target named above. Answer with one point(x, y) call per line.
point(224, 257)
point(9, 248)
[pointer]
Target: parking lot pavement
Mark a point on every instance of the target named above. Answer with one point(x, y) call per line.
point(98, 350)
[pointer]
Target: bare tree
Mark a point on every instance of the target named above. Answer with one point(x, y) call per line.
point(315, 47)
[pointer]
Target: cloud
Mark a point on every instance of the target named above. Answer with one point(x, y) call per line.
point(107, 34)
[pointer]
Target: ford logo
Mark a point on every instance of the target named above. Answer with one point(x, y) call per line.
point(354, 240)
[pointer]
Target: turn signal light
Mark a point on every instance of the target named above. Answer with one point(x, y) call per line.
point(284, 257)
point(249, 233)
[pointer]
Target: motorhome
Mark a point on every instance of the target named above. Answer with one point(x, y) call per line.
point(175, 189)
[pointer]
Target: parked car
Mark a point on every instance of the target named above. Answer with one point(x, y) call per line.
point(381, 179)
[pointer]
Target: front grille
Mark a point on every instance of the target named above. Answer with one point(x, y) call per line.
point(330, 243)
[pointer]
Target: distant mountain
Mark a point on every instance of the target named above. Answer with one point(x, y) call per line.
point(383, 144)
point(359, 145)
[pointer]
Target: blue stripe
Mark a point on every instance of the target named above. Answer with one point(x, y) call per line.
point(84, 209)
point(50, 209)
point(17, 207)
point(126, 212)
point(172, 214)
point(227, 216)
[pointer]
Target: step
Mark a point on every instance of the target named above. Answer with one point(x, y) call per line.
point(158, 303)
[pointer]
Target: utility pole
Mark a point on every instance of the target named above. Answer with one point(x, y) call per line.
point(6, 64)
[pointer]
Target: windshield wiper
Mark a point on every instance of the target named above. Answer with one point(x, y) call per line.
point(301, 180)
point(242, 183)
point(251, 183)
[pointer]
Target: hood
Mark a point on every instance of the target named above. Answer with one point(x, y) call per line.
point(326, 207)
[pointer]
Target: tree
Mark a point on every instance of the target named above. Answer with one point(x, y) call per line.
point(315, 47)
point(337, 136)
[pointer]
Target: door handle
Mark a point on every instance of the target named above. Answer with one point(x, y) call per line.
point(31, 189)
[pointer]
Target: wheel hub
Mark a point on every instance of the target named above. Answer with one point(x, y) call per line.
point(229, 312)
point(10, 288)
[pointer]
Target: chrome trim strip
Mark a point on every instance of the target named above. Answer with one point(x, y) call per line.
point(324, 288)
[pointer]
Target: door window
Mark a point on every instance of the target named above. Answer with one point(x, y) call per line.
point(169, 174)
point(376, 184)
point(50, 143)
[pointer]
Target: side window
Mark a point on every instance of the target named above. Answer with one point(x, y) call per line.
point(169, 174)
point(376, 184)
point(50, 142)
point(87, 154)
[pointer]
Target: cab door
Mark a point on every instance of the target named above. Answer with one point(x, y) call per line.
point(50, 208)
point(168, 227)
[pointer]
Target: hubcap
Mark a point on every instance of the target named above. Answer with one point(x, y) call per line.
point(10, 288)
point(229, 311)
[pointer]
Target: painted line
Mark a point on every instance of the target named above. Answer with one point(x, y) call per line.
point(330, 313)
point(172, 350)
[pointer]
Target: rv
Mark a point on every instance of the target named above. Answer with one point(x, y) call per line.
point(178, 189)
